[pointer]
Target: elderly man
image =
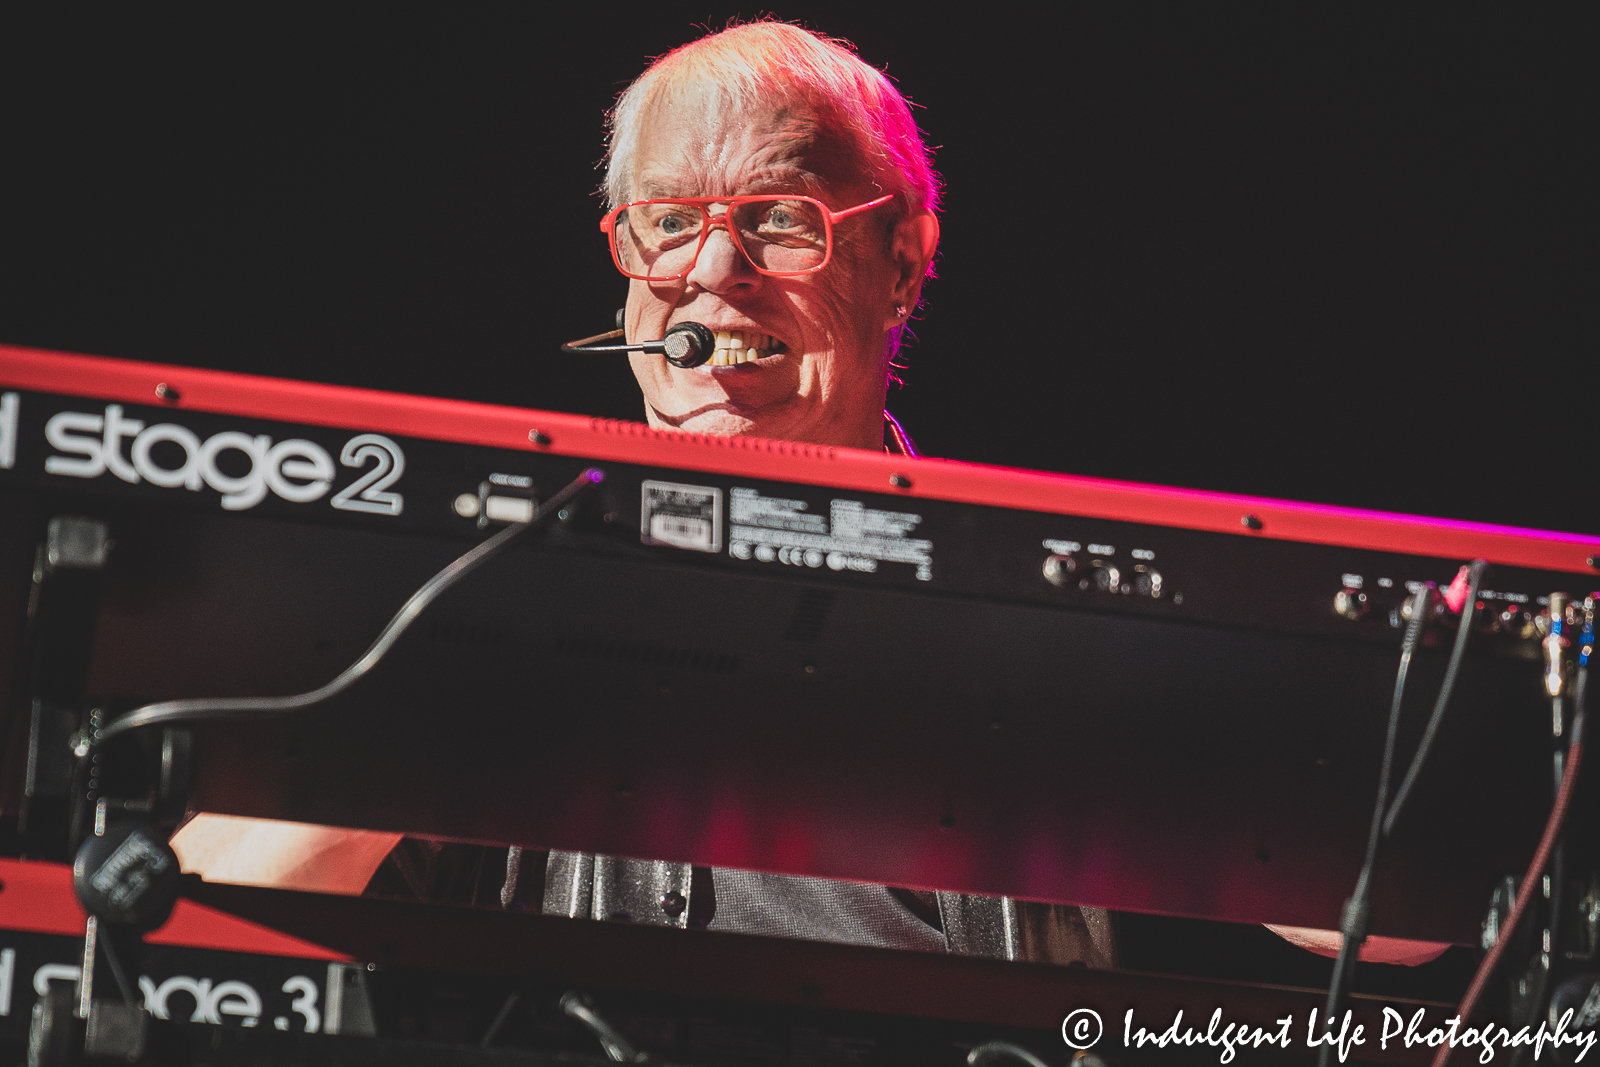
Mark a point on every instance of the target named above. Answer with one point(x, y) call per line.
point(766, 183)
point(818, 280)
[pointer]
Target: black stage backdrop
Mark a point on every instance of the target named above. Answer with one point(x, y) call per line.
point(1344, 257)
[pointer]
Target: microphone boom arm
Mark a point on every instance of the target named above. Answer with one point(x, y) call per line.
point(686, 345)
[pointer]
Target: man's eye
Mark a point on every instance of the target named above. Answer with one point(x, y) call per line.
point(779, 219)
point(672, 225)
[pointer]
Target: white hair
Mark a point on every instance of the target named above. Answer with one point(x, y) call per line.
point(776, 62)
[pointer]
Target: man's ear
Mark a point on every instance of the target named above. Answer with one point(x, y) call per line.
point(916, 238)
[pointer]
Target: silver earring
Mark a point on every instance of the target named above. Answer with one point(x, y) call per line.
point(899, 311)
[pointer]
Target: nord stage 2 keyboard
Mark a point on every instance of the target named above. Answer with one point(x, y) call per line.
point(781, 656)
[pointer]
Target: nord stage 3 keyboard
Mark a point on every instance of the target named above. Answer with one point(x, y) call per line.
point(760, 654)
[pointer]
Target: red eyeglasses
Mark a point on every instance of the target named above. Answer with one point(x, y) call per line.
point(781, 236)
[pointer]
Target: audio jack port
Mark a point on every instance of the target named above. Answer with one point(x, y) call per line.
point(1351, 603)
point(1107, 578)
point(1058, 569)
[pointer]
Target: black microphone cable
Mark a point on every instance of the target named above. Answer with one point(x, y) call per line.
point(1356, 918)
point(239, 707)
point(1353, 922)
point(1468, 609)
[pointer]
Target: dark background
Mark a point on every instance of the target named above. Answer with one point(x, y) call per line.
point(1343, 257)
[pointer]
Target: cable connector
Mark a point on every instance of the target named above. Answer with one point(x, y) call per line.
point(1425, 604)
point(1554, 646)
point(1459, 590)
point(1586, 630)
point(1440, 603)
point(1356, 918)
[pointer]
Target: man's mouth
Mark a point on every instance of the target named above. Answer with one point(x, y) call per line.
point(736, 346)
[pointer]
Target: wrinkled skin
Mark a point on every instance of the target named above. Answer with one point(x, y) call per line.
point(827, 386)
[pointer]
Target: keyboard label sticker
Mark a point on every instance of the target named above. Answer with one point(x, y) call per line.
point(682, 516)
point(851, 537)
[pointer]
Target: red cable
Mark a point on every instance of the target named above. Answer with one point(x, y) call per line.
point(1552, 827)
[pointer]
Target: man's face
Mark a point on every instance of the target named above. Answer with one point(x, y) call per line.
point(824, 382)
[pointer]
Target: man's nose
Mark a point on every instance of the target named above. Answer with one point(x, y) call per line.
point(720, 265)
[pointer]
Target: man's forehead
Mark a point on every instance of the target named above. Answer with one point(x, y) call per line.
point(656, 183)
point(689, 151)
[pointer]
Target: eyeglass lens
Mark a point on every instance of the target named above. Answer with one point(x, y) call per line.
point(778, 235)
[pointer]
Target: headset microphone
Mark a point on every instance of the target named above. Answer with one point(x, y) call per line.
point(686, 345)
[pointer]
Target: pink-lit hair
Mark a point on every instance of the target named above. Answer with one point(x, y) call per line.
point(781, 63)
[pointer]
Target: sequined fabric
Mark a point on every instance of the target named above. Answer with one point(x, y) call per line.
point(817, 909)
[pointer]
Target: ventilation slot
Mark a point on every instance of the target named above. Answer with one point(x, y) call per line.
point(810, 615)
point(682, 659)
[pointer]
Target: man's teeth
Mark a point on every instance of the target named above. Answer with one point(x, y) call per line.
point(734, 346)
